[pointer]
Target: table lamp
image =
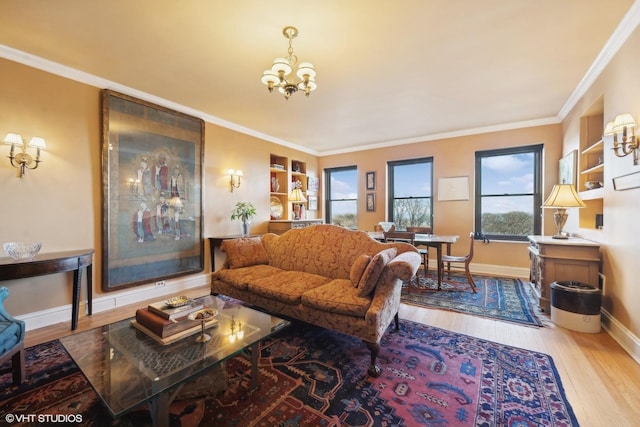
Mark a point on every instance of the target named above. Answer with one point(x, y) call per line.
point(562, 196)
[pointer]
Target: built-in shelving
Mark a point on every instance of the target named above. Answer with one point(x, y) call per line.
point(591, 169)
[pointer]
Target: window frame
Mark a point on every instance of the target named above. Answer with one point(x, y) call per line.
point(390, 185)
point(537, 151)
point(327, 194)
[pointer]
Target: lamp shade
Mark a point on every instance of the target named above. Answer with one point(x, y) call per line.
point(38, 142)
point(563, 196)
point(623, 121)
point(297, 196)
point(13, 138)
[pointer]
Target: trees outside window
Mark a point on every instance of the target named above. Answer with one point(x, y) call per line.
point(508, 192)
point(341, 194)
point(410, 200)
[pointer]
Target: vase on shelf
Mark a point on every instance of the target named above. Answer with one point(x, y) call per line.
point(275, 185)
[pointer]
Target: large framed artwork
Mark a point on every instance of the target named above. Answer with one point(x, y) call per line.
point(152, 192)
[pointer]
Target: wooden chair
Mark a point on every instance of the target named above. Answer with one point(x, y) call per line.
point(401, 236)
point(424, 250)
point(465, 260)
point(11, 341)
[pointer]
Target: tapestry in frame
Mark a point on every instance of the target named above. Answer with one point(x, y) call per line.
point(152, 192)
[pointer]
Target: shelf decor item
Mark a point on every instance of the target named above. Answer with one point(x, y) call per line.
point(21, 250)
point(203, 316)
point(244, 212)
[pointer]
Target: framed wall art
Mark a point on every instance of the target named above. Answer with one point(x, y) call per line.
point(371, 202)
point(567, 168)
point(152, 192)
point(313, 183)
point(454, 188)
point(312, 203)
point(626, 182)
point(371, 180)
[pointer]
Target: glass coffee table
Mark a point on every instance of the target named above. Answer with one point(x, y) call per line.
point(126, 367)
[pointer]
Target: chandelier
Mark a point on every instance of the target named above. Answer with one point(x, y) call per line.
point(278, 75)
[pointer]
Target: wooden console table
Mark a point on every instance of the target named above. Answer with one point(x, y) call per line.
point(554, 260)
point(55, 262)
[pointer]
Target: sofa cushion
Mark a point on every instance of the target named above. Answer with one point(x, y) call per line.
point(239, 277)
point(338, 296)
point(244, 252)
point(358, 267)
point(372, 273)
point(287, 286)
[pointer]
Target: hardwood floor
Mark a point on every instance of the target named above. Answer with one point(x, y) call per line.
point(601, 380)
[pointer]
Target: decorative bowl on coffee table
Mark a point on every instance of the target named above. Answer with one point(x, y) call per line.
point(203, 315)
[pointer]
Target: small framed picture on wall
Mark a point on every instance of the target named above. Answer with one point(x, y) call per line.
point(371, 202)
point(313, 203)
point(371, 180)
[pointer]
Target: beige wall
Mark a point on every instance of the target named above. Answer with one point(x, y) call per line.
point(455, 157)
point(60, 203)
point(619, 87)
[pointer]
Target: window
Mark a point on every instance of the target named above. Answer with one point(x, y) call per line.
point(342, 196)
point(508, 197)
point(410, 186)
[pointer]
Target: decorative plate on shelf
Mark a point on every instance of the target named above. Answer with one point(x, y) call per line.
point(276, 207)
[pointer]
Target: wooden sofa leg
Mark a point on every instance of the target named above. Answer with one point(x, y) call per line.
point(374, 370)
point(397, 319)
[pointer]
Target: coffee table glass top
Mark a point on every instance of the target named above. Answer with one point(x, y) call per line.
point(126, 367)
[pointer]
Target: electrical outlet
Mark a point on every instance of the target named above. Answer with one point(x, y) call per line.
point(160, 283)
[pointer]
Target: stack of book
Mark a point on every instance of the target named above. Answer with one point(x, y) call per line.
point(167, 324)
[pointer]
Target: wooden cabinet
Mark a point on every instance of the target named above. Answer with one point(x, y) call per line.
point(279, 227)
point(553, 260)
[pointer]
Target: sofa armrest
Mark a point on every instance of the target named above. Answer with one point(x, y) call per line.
point(405, 265)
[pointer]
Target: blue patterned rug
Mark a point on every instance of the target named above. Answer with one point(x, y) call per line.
point(497, 298)
point(312, 377)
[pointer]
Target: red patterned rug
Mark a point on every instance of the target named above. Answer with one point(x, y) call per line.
point(314, 377)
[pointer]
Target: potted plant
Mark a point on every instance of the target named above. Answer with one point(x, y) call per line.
point(244, 212)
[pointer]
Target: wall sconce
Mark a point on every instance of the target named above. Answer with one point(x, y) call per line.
point(234, 178)
point(625, 141)
point(562, 196)
point(23, 160)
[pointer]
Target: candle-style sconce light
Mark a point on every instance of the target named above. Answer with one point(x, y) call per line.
point(22, 159)
point(234, 178)
point(625, 141)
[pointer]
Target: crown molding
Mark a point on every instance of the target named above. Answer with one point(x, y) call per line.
point(623, 31)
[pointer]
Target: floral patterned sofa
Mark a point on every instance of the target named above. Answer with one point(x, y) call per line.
point(324, 274)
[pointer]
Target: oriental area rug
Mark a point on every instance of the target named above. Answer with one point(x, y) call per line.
point(311, 376)
point(497, 298)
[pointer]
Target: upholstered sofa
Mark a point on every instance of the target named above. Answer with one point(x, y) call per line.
point(324, 274)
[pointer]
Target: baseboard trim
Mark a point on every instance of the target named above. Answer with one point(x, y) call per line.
point(627, 340)
point(105, 302)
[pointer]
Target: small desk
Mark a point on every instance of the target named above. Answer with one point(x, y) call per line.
point(55, 262)
point(431, 240)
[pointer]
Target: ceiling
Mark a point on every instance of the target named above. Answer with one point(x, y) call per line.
point(387, 72)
